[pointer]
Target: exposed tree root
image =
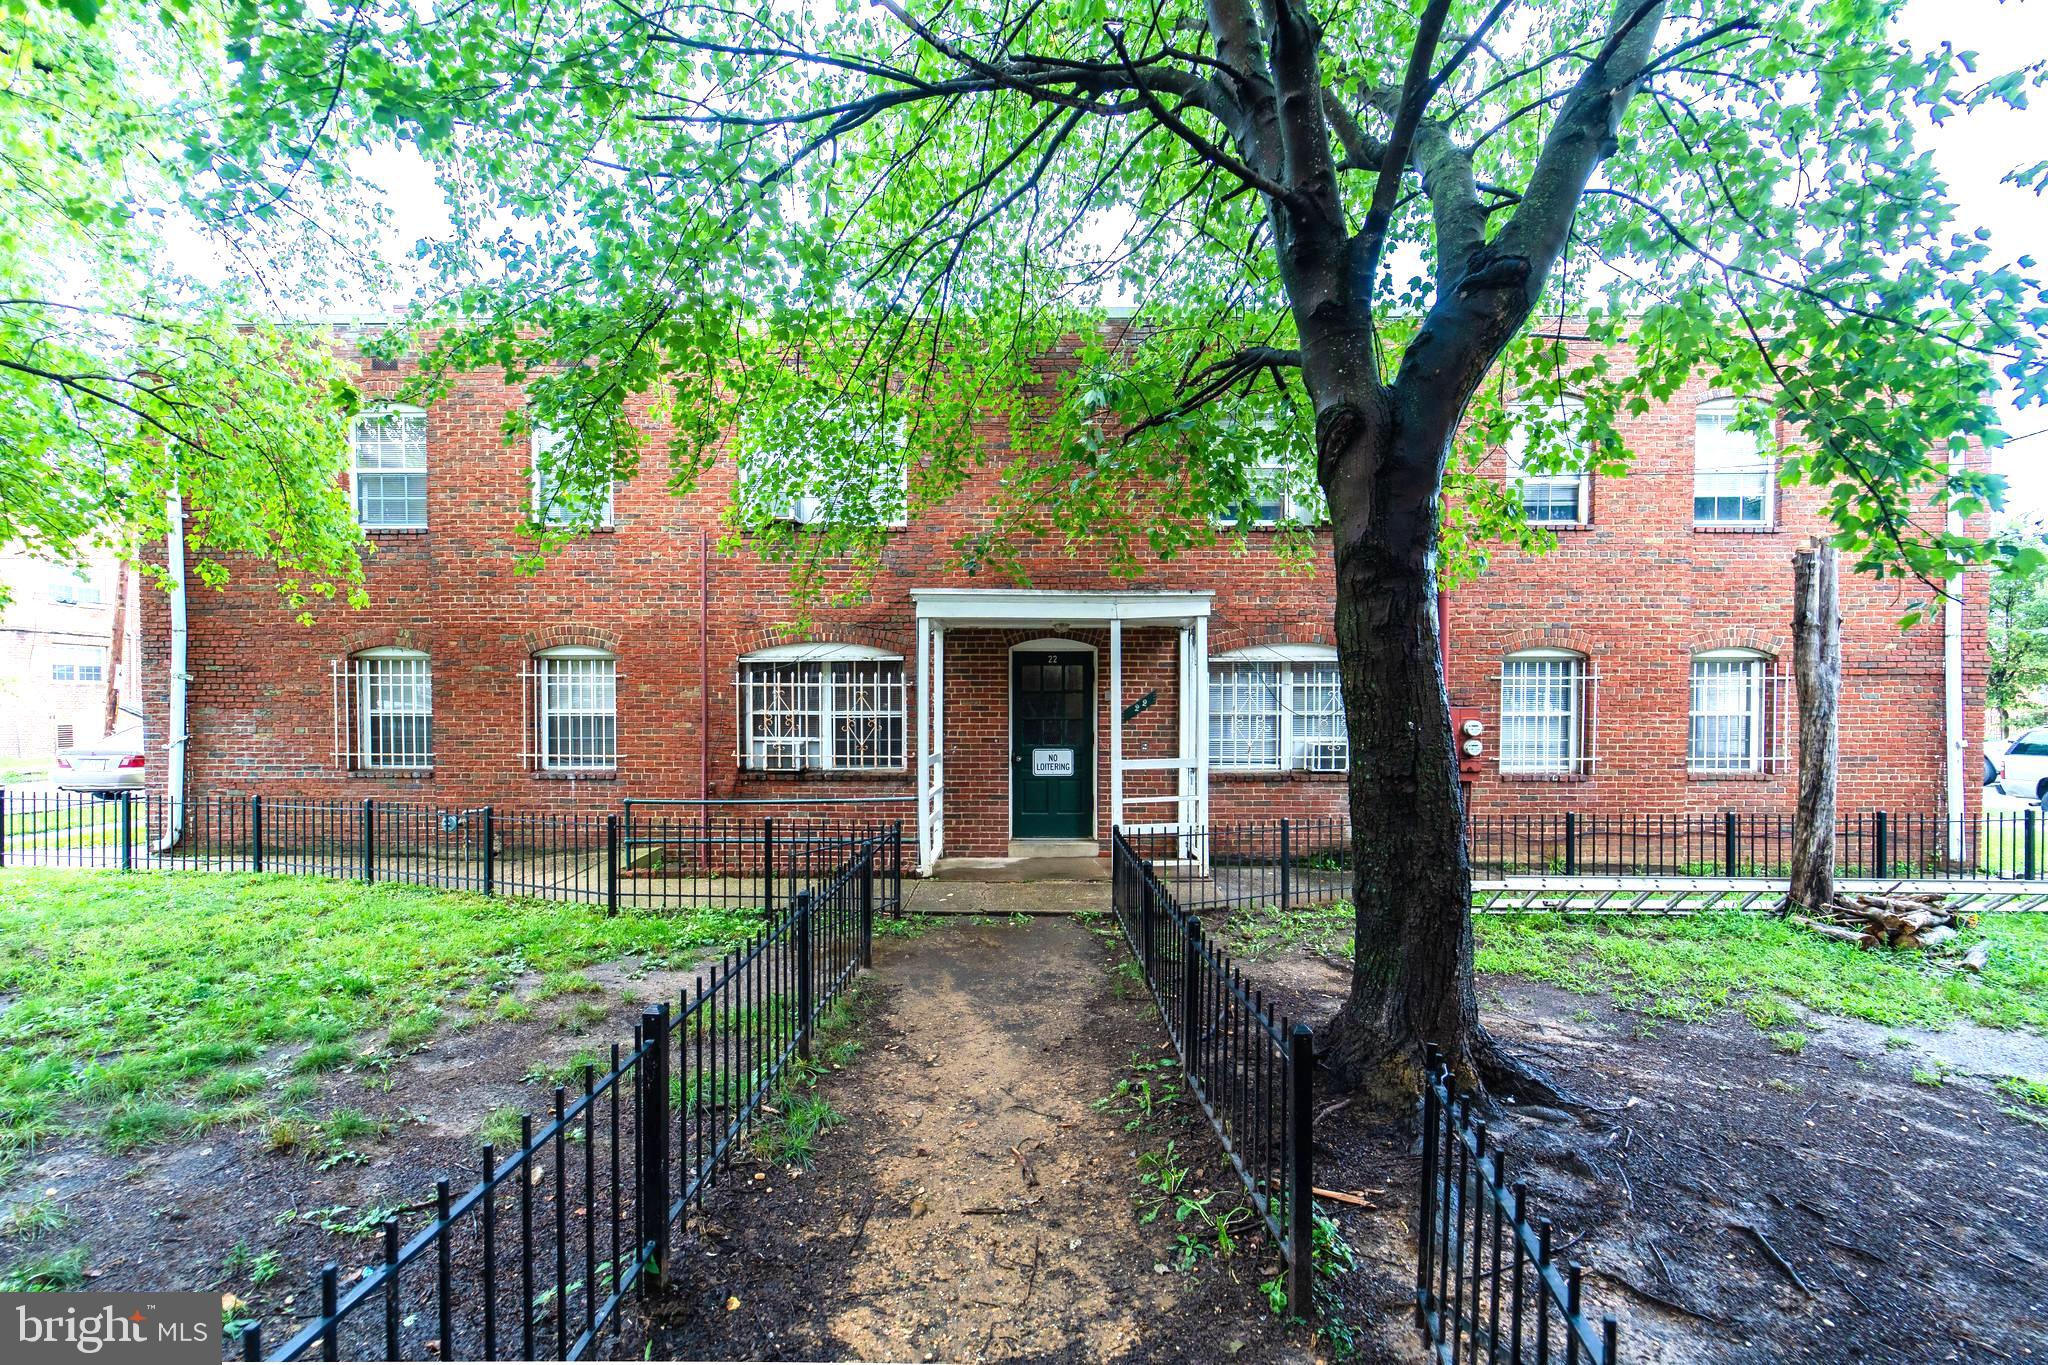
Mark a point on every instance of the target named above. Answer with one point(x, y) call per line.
point(1504, 1075)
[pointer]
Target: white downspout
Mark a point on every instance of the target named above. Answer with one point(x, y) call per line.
point(1952, 691)
point(181, 734)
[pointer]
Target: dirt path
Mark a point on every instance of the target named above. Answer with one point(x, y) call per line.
point(920, 1234)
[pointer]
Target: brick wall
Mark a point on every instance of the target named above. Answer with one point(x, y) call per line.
point(1638, 593)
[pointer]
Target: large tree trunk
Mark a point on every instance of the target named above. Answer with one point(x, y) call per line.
point(1411, 979)
point(1817, 664)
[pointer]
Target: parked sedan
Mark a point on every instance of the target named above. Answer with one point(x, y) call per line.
point(105, 769)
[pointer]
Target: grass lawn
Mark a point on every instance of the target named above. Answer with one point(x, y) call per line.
point(1689, 967)
point(142, 1007)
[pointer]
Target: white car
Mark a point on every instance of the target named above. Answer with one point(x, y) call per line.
point(105, 769)
point(2023, 772)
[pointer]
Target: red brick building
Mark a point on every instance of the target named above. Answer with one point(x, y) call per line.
point(1641, 667)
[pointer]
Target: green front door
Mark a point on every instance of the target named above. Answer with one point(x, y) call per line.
point(1052, 744)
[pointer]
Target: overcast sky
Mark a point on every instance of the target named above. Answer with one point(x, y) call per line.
point(1973, 151)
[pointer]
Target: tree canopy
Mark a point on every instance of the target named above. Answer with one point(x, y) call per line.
point(891, 213)
point(120, 377)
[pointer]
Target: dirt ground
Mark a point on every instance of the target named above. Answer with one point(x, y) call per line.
point(1914, 1214)
point(977, 1205)
point(174, 1216)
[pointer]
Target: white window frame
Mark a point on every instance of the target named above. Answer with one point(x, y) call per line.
point(357, 682)
point(825, 682)
point(1581, 712)
point(1293, 507)
point(544, 512)
point(1570, 412)
point(1761, 716)
point(357, 470)
point(811, 508)
point(1299, 741)
point(541, 706)
point(1723, 470)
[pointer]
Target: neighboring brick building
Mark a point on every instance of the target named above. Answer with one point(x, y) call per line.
point(57, 655)
point(1641, 667)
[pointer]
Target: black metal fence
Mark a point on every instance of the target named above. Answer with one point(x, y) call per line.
point(1476, 1298)
point(534, 1260)
point(646, 856)
point(1251, 1070)
point(1290, 863)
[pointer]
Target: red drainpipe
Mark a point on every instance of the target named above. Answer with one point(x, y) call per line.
point(703, 666)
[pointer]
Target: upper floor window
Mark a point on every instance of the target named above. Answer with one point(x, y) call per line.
point(1279, 496)
point(73, 588)
point(1551, 495)
point(1277, 709)
point(554, 505)
point(818, 463)
point(821, 706)
point(1735, 713)
point(575, 710)
point(1731, 482)
point(384, 710)
point(388, 469)
point(79, 665)
point(1546, 713)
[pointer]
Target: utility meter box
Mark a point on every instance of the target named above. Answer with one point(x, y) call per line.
point(1468, 732)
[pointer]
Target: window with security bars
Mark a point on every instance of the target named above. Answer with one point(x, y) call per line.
point(1731, 482)
point(384, 710)
point(1736, 715)
point(574, 711)
point(389, 469)
point(843, 714)
point(554, 505)
point(1546, 714)
point(1277, 717)
point(1550, 497)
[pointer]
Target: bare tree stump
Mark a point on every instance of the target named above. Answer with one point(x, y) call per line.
point(1817, 669)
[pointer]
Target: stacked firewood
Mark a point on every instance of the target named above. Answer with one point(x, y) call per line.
point(1894, 919)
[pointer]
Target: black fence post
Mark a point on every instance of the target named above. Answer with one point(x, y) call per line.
point(490, 851)
point(3, 826)
point(1571, 843)
point(256, 833)
point(1728, 843)
point(2030, 856)
point(1425, 1242)
point(369, 842)
point(330, 1329)
point(1883, 853)
point(867, 904)
point(1190, 989)
point(252, 1341)
point(611, 864)
point(802, 910)
point(1286, 841)
point(127, 832)
point(768, 866)
point(1301, 1200)
point(654, 1174)
point(1145, 919)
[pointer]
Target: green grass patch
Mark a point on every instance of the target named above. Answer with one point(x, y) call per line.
point(132, 1124)
point(502, 1128)
point(133, 990)
point(29, 1222)
point(1266, 931)
point(50, 1272)
point(1692, 967)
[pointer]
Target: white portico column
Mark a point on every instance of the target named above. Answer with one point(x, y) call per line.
point(1116, 721)
point(924, 750)
point(1199, 669)
point(938, 749)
